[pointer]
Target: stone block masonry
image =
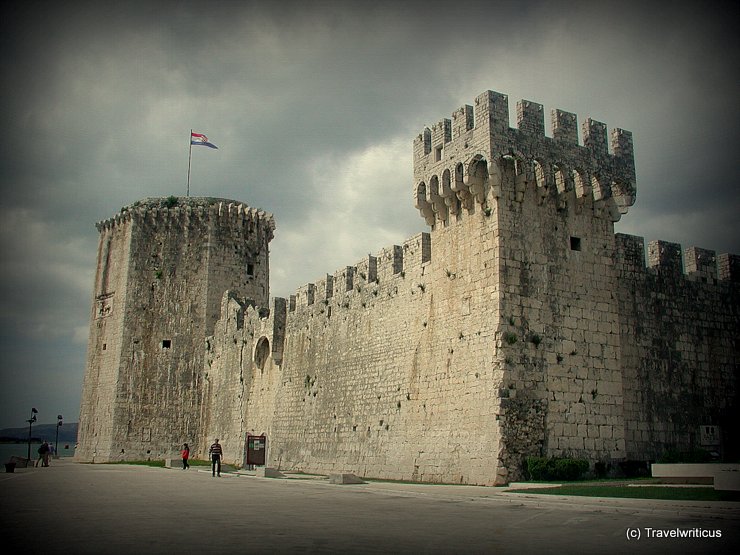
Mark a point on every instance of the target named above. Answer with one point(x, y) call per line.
point(519, 325)
point(163, 265)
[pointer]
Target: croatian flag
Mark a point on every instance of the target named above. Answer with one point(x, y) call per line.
point(199, 139)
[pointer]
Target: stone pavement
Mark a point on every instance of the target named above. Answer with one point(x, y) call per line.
point(78, 508)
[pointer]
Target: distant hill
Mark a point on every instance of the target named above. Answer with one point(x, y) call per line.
point(67, 433)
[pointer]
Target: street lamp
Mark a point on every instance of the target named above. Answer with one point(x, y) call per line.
point(30, 421)
point(59, 425)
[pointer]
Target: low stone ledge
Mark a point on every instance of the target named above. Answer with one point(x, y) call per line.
point(532, 485)
point(727, 476)
point(266, 472)
point(344, 479)
point(727, 480)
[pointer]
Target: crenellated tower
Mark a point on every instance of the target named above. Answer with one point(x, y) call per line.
point(163, 266)
point(529, 220)
point(464, 160)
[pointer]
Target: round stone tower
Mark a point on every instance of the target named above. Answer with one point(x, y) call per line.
point(163, 265)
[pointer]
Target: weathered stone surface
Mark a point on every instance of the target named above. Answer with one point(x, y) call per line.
point(344, 479)
point(266, 472)
point(163, 265)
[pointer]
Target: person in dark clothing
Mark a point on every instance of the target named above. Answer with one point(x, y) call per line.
point(216, 452)
point(43, 455)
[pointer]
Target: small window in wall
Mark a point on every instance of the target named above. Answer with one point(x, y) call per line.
point(105, 346)
point(575, 243)
point(250, 269)
point(166, 343)
point(438, 154)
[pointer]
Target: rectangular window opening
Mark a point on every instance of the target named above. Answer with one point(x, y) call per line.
point(166, 343)
point(575, 243)
point(438, 154)
point(250, 269)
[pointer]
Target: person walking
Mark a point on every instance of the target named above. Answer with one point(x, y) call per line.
point(216, 452)
point(43, 455)
point(185, 456)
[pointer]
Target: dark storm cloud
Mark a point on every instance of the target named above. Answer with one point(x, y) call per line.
point(314, 106)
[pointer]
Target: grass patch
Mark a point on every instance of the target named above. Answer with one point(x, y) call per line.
point(158, 463)
point(413, 482)
point(642, 492)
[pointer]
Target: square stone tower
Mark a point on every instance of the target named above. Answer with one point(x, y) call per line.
point(525, 223)
point(163, 266)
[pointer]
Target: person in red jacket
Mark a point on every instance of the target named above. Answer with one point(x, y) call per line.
point(185, 456)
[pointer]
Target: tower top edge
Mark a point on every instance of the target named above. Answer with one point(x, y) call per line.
point(174, 208)
point(171, 201)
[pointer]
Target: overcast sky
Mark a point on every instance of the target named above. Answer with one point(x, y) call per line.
point(314, 107)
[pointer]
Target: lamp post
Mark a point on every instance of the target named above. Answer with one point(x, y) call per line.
point(59, 425)
point(30, 421)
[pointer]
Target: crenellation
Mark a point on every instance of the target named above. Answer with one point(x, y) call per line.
point(343, 280)
point(665, 257)
point(367, 269)
point(492, 112)
point(305, 295)
point(423, 143)
point(729, 267)
point(530, 117)
point(417, 251)
point(441, 134)
point(565, 127)
point(697, 264)
point(701, 264)
point(452, 179)
point(323, 289)
point(594, 137)
point(462, 121)
point(390, 261)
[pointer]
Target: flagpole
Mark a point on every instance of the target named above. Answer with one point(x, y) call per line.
point(190, 154)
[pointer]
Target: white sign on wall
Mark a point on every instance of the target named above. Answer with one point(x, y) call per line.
point(709, 435)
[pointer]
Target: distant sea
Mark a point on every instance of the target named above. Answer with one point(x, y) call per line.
point(7, 450)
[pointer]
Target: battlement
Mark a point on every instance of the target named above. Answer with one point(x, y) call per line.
point(186, 210)
point(666, 259)
point(392, 262)
point(468, 158)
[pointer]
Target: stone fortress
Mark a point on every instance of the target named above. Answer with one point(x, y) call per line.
point(520, 324)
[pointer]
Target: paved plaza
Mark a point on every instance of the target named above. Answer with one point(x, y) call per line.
point(77, 508)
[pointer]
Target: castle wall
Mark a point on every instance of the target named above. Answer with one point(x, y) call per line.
point(391, 378)
point(679, 347)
